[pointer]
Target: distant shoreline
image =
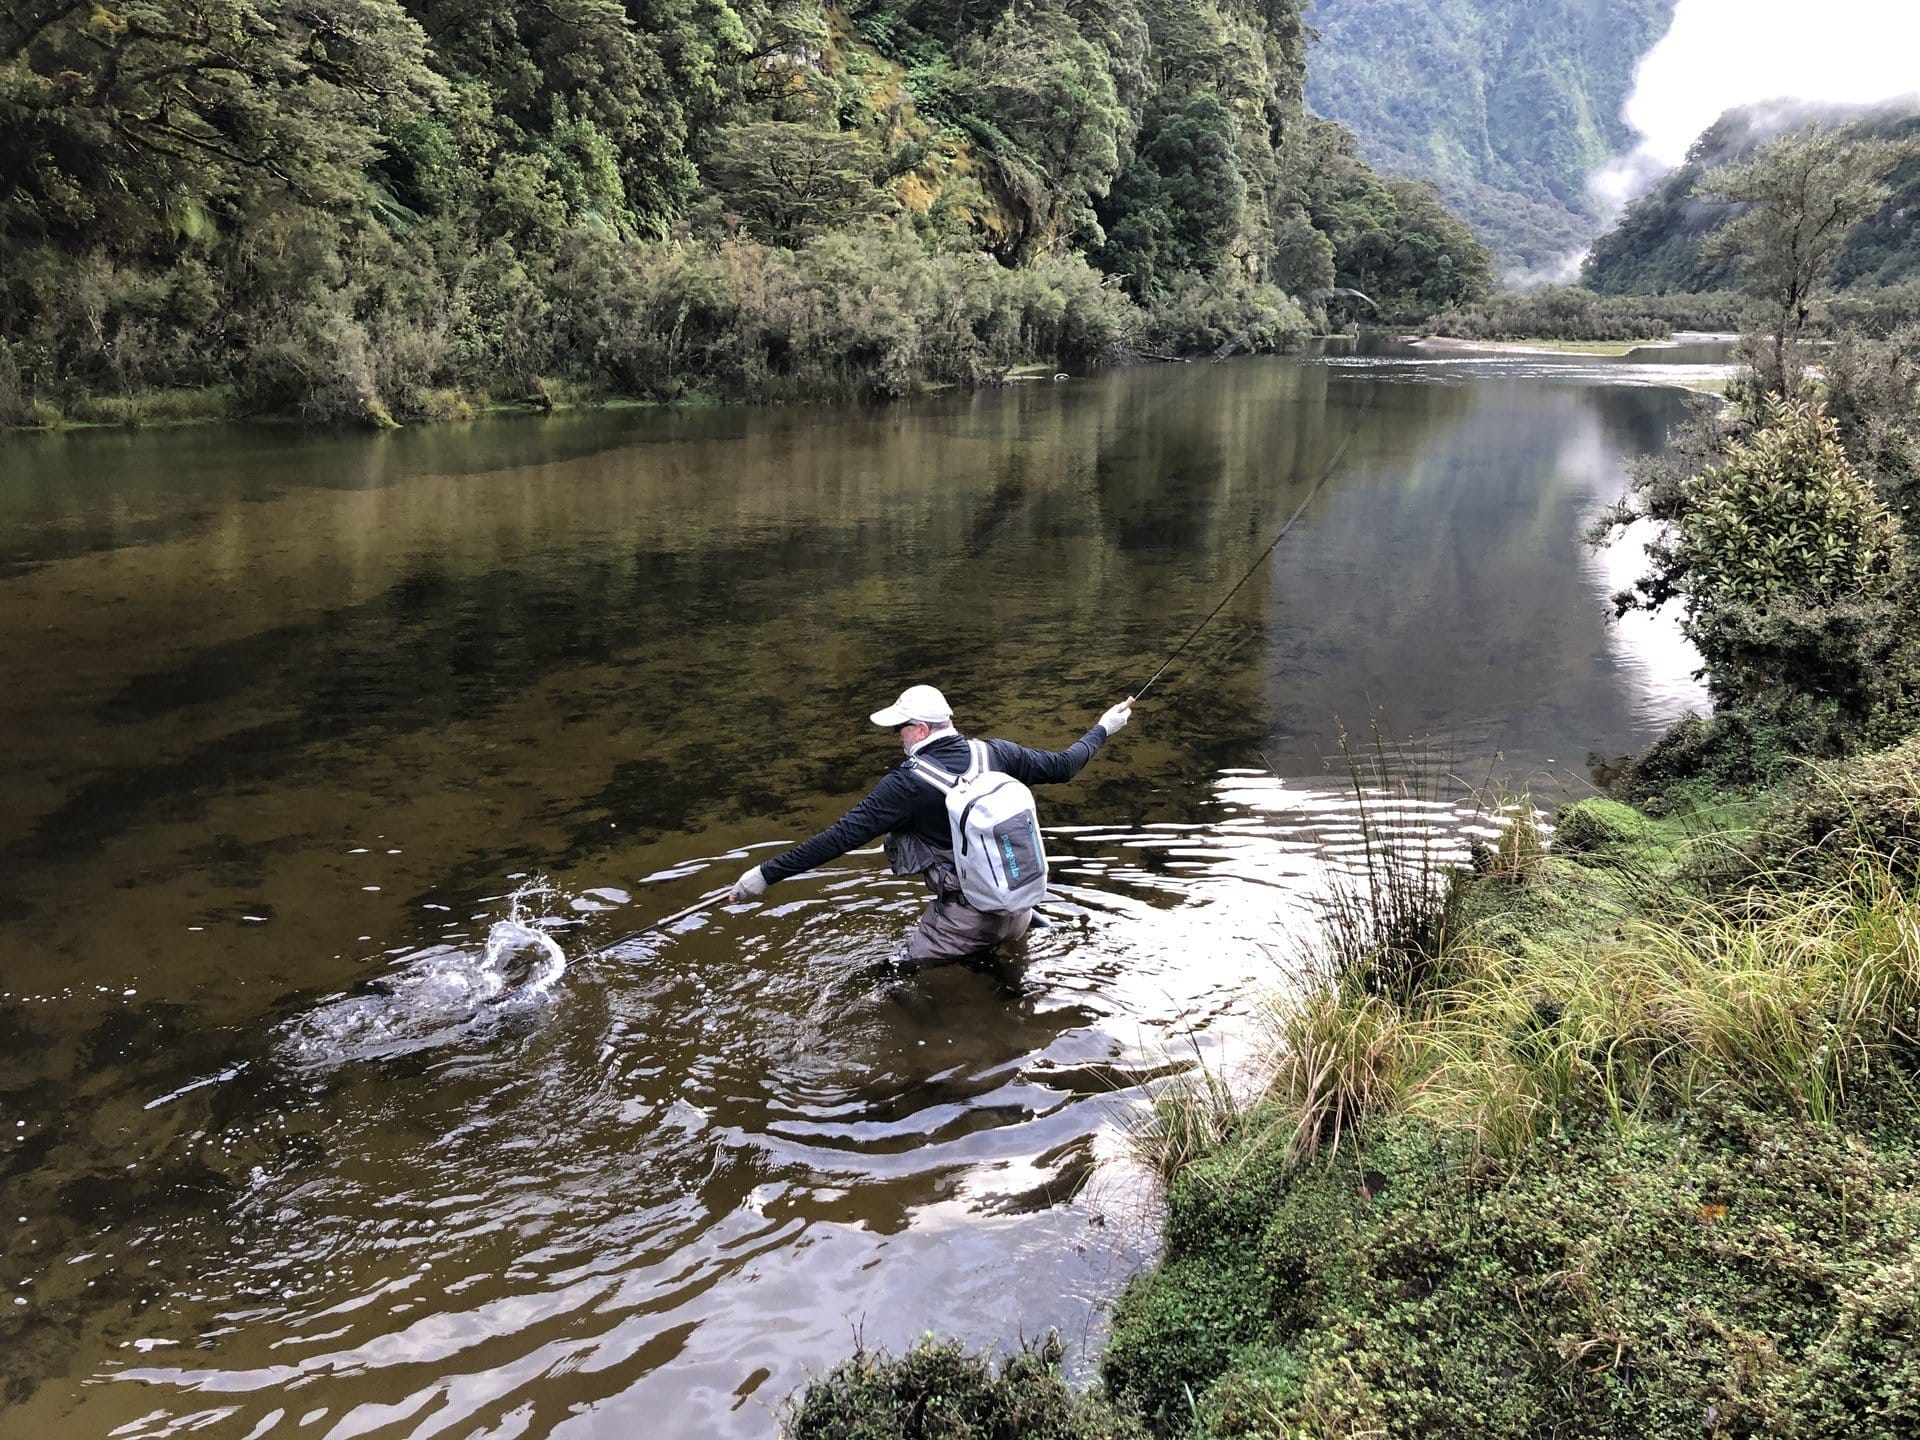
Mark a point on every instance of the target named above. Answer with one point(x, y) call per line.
point(1542, 346)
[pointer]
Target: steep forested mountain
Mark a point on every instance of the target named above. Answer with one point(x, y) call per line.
point(1655, 249)
point(357, 208)
point(1507, 105)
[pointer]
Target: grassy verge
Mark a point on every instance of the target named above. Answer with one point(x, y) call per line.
point(1636, 1156)
point(1619, 1140)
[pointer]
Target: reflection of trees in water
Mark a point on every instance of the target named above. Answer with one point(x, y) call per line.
point(1448, 590)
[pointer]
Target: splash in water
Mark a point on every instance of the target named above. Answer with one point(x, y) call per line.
point(433, 997)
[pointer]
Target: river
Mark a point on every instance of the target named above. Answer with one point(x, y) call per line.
point(336, 766)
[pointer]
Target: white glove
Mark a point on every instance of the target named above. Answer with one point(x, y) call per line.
point(750, 886)
point(1114, 719)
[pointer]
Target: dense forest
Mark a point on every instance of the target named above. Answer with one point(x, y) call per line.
point(1507, 105)
point(360, 209)
point(1657, 246)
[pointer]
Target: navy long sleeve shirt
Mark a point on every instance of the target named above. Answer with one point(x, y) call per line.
point(903, 800)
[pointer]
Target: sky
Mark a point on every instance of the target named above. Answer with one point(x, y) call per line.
point(1722, 53)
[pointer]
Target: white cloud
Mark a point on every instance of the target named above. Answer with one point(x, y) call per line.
point(1723, 53)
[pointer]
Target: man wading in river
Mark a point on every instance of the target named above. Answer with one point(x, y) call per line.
point(910, 807)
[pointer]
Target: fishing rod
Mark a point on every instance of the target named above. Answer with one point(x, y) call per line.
point(1299, 510)
point(705, 902)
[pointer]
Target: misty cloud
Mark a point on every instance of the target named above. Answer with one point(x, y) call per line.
point(1724, 53)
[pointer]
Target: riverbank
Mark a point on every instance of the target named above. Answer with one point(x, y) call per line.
point(1613, 1137)
point(843, 317)
point(766, 347)
point(1541, 346)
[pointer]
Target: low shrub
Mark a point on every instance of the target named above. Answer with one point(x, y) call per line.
point(939, 1391)
point(1570, 312)
point(863, 315)
point(1204, 315)
point(1725, 1272)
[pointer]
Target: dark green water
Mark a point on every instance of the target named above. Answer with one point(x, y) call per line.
point(288, 715)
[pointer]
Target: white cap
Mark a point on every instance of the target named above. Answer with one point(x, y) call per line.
point(916, 702)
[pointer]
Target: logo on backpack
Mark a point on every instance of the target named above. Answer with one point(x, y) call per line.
point(996, 834)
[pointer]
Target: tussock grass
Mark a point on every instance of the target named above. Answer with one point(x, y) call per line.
point(1190, 1115)
point(164, 406)
point(1340, 1056)
point(1789, 999)
point(1622, 1143)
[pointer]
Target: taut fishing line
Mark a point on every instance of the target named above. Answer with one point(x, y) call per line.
point(1299, 510)
point(707, 901)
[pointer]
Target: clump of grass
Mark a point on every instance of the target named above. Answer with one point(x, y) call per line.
point(445, 406)
point(1837, 808)
point(178, 405)
point(1190, 1115)
point(1386, 925)
point(1790, 999)
point(1341, 1056)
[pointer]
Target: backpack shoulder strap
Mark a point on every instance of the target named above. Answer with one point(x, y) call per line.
point(979, 762)
point(932, 773)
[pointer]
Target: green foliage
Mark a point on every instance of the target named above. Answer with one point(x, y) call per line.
point(1176, 208)
point(1202, 316)
point(138, 123)
point(1506, 105)
point(1666, 239)
point(1724, 1272)
point(790, 182)
point(1644, 1164)
point(1038, 100)
point(1793, 574)
point(1872, 391)
point(845, 315)
point(1797, 202)
point(1569, 312)
point(1783, 517)
point(648, 77)
point(1827, 814)
point(1391, 239)
point(352, 210)
point(1779, 533)
point(938, 1391)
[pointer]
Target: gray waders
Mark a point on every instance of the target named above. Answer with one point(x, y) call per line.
point(949, 928)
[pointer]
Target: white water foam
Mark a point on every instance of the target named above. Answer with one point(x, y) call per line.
point(434, 996)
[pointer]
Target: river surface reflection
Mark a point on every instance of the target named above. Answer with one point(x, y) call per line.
point(335, 765)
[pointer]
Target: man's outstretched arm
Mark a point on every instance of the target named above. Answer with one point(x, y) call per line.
point(885, 809)
point(1051, 767)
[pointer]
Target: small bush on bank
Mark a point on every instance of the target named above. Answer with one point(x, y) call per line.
point(938, 1391)
point(1792, 569)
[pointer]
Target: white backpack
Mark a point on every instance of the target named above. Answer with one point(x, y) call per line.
point(996, 834)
